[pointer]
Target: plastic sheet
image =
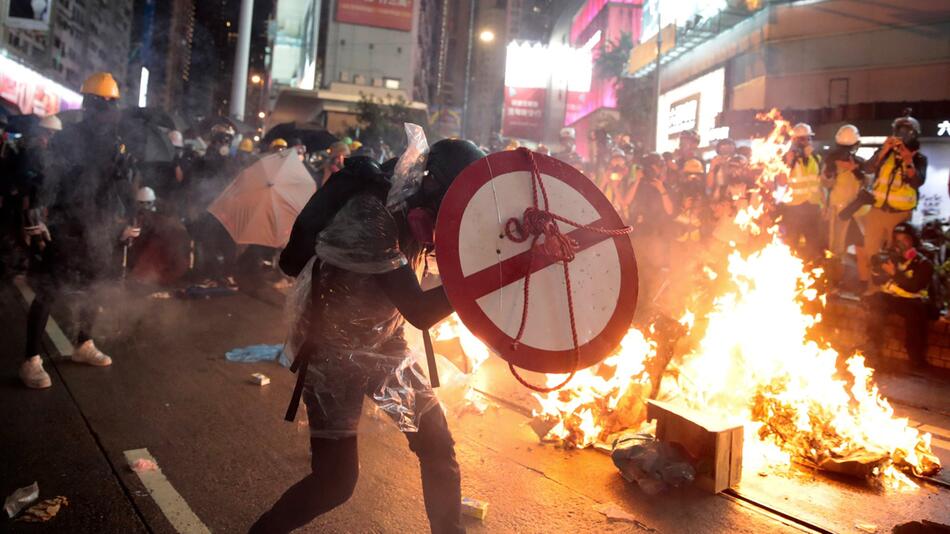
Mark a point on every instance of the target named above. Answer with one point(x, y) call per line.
point(655, 466)
point(407, 176)
point(358, 334)
point(255, 353)
point(21, 498)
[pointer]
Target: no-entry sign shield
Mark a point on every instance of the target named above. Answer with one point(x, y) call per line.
point(484, 270)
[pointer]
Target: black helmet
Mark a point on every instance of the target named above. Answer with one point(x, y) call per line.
point(445, 161)
point(909, 125)
point(908, 229)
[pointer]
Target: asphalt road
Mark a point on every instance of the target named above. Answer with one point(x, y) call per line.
point(225, 449)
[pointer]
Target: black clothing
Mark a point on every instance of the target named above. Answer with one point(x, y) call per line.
point(915, 313)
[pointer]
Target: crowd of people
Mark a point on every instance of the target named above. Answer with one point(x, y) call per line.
point(836, 210)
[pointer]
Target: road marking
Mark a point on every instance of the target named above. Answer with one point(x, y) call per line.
point(55, 333)
point(176, 510)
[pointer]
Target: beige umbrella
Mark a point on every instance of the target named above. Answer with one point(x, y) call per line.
point(262, 203)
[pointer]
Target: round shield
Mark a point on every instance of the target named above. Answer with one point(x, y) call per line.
point(484, 271)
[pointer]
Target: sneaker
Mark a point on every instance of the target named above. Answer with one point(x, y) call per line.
point(89, 354)
point(33, 375)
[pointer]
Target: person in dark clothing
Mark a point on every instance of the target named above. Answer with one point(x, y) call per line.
point(904, 278)
point(87, 194)
point(359, 251)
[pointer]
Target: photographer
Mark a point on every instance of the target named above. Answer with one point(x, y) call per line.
point(801, 209)
point(899, 170)
point(904, 275)
point(843, 177)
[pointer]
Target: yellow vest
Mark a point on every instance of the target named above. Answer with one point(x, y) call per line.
point(804, 182)
point(890, 189)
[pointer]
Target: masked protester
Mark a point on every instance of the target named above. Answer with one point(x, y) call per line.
point(363, 290)
point(904, 275)
point(715, 180)
point(245, 152)
point(338, 152)
point(843, 177)
point(568, 153)
point(899, 170)
point(802, 205)
point(90, 198)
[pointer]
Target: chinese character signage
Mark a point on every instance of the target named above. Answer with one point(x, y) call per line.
point(524, 112)
point(390, 14)
point(32, 92)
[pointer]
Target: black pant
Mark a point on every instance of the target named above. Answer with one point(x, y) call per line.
point(803, 222)
point(916, 315)
point(38, 316)
point(335, 468)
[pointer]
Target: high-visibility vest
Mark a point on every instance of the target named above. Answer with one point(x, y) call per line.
point(845, 190)
point(890, 189)
point(804, 182)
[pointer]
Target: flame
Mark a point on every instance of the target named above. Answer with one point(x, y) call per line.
point(751, 357)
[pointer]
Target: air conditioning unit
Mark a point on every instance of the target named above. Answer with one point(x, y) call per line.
point(377, 82)
point(359, 79)
point(345, 76)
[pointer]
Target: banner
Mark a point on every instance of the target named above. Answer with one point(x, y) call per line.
point(524, 112)
point(32, 92)
point(29, 14)
point(391, 14)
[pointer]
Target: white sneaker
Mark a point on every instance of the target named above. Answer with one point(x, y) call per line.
point(89, 354)
point(33, 375)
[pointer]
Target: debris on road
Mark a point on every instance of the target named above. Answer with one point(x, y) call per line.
point(44, 511)
point(866, 527)
point(143, 464)
point(260, 379)
point(474, 508)
point(254, 353)
point(20, 498)
point(160, 295)
point(616, 514)
point(655, 466)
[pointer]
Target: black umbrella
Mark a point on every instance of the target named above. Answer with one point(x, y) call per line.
point(156, 116)
point(313, 135)
point(147, 141)
point(210, 122)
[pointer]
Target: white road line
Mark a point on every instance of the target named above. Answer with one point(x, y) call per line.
point(176, 510)
point(55, 333)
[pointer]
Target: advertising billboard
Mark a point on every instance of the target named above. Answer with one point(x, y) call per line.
point(390, 14)
point(524, 112)
point(29, 14)
point(32, 92)
point(695, 105)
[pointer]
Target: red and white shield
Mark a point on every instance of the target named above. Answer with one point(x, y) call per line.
point(484, 271)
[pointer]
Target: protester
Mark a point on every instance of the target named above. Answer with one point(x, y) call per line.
point(715, 180)
point(904, 275)
point(338, 152)
point(651, 212)
point(245, 153)
point(568, 153)
point(363, 276)
point(89, 195)
point(899, 169)
point(802, 204)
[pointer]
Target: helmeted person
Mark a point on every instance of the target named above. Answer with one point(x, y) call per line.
point(688, 148)
point(904, 275)
point(899, 169)
point(716, 180)
point(88, 197)
point(245, 152)
point(277, 145)
point(843, 176)
point(368, 239)
point(333, 163)
point(568, 153)
point(802, 204)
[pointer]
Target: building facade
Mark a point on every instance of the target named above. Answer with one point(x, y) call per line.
point(163, 35)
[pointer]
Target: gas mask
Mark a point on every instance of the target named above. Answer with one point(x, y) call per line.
point(906, 134)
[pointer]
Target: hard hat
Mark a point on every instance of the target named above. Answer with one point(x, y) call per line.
point(178, 141)
point(278, 143)
point(848, 135)
point(222, 128)
point(355, 145)
point(448, 157)
point(101, 84)
point(247, 145)
point(802, 130)
point(693, 166)
point(906, 120)
point(347, 140)
point(145, 194)
point(51, 122)
point(568, 132)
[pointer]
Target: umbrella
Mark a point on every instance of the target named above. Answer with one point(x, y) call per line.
point(147, 141)
point(239, 127)
point(156, 116)
point(313, 135)
point(262, 203)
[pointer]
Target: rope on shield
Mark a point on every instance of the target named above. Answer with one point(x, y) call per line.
point(534, 223)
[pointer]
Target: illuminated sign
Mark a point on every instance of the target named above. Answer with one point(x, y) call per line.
point(943, 128)
point(694, 105)
point(390, 14)
point(143, 88)
point(33, 92)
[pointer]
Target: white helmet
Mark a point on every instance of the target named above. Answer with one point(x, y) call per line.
point(176, 138)
point(848, 135)
point(145, 194)
point(51, 122)
point(568, 132)
point(802, 130)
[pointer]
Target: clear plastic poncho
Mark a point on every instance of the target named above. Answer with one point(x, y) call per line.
point(358, 333)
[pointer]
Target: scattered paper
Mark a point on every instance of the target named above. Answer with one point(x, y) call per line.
point(260, 379)
point(21, 498)
point(615, 513)
point(866, 527)
point(144, 464)
point(44, 511)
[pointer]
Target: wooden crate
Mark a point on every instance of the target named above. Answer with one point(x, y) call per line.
point(715, 445)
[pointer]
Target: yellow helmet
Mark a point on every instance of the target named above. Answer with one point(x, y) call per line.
point(278, 143)
point(356, 145)
point(101, 84)
point(693, 166)
point(247, 145)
